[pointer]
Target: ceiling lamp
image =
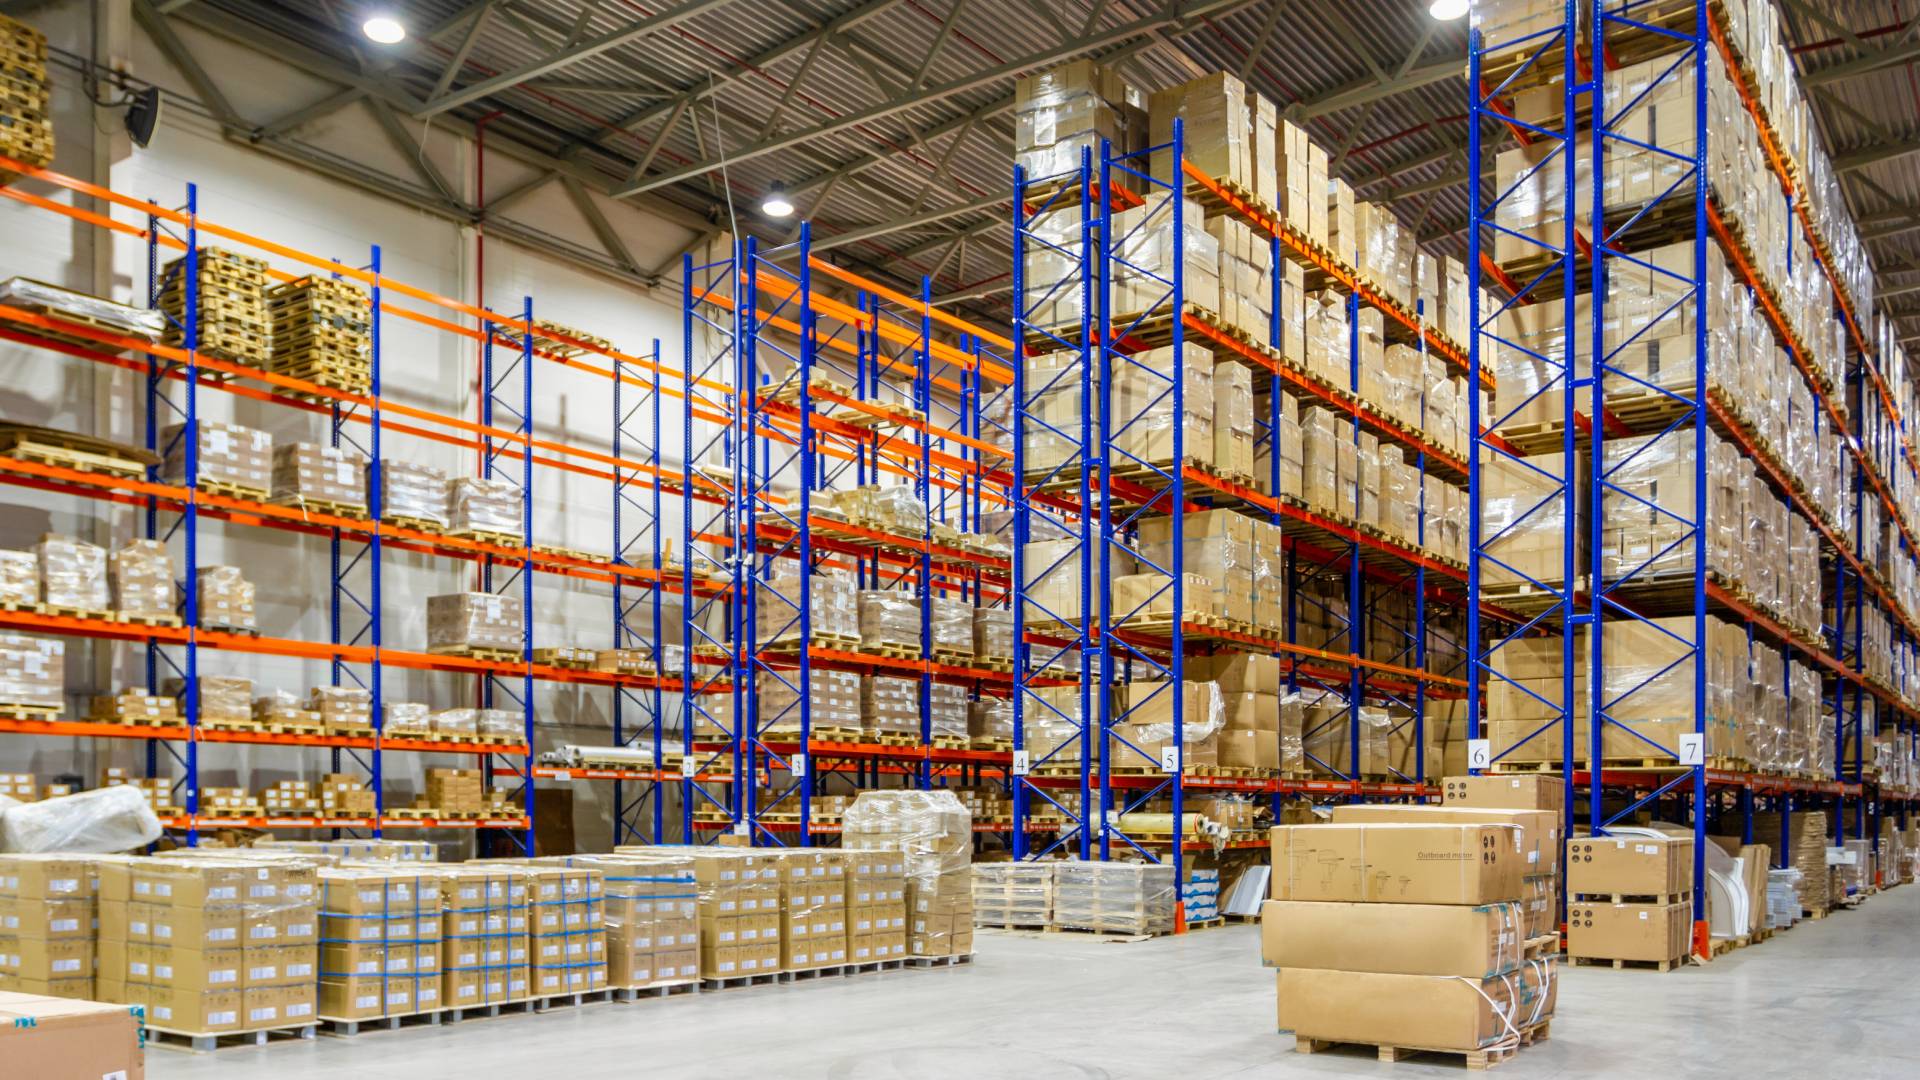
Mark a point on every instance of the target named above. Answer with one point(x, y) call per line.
point(1447, 10)
point(776, 204)
point(384, 29)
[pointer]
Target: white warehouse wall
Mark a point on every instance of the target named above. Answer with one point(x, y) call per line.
point(264, 196)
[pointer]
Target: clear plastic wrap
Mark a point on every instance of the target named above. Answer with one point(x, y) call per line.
point(952, 626)
point(121, 318)
point(474, 621)
point(327, 478)
point(831, 613)
point(488, 506)
point(933, 834)
point(890, 620)
point(454, 725)
point(1117, 897)
point(228, 456)
point(833, 699)
point(19, 578)
point(1013, 894)
point(407, 720)
point(651, 917)
point(73, 573)
point(104, 819)
point(1068, 110)
point(501, 724)
point(414, 494)
point(990, 722)
point(484, 953)
point(32, 671)
point(569, 939)
point(224, 599)
point(225, 700)
point(345, 710)
point(993, 633)
point(890, 706)
point(143, 579)
point(947, 713)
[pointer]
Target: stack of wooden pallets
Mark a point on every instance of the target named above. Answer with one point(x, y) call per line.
point(26, 126)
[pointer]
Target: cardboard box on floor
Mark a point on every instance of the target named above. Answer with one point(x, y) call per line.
point(1406, 864)
point(54, 1037)
point(1540, 828)
point(1452, 940)
point(1413, 1010)
point(1647, 932)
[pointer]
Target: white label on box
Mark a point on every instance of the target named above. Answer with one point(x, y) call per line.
point(1643, 916)
point(1693, 749)
point(223, 1017)
point(1480, 755)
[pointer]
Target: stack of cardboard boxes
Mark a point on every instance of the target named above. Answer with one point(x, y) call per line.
point(1113, 897)
point(1404, 936)
point(813, 909)
point(566, 920)
point(474, 622)
point(931, 836)
point(46, 925)
point(1630, 899)
point(380, 942)
point(484, 943)
point(212, 945)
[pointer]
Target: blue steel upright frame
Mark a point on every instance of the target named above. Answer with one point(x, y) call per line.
point(711, 540)
point(499, 383)
point(1042, 207)
point(1164, 201)
point(366, 560)
point(159, 375)
point(1556, 282)
point(763, 474)
point(1613, 689)
point(638, 715)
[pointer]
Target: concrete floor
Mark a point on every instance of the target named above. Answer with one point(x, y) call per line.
point(1828, 998)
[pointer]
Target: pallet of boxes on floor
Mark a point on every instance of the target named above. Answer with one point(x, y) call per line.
point(220, 945)
point(1410, 930)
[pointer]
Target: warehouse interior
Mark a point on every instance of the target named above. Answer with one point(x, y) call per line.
point(1192, 481)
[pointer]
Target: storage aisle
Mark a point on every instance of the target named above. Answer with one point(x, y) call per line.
point(1829, 997)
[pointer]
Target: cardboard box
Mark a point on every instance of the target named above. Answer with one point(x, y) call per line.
point(1533, 791)
point(1647, 932)
point(1411, 1010)
point(1477, 942)
point(1629, 866)
point(1541, 827)
point(52, 1037)
point(1405, 864)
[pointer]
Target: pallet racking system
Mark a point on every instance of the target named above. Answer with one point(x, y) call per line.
point(1606, 402)
point(799, 394)
point(505, 444)
point(1100, 492)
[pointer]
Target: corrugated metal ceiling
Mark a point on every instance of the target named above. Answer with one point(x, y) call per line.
point(610, 111)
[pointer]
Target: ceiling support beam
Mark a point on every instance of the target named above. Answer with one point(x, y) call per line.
point(1180, 15)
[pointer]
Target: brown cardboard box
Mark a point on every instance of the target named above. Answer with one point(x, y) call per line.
point(1649, 932)
point(52, 1037)
point(1410, 1010)
point(1406, 864)
point(1533, 791)
point(1629, 866)
point(1541, 827)
point(193, 1010)
point(1477, 942)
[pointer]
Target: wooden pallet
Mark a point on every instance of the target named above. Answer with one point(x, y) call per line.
point(351, 511)
point(418, 524)
point(232, 490)
point(72, 611)
point(207, 1042)
point(1475, 1059)
point(563, 657)
point(475, 652)
point(148, 618)
point(1621, 965)
point(992, 743)
point(953, 659)
point(30, 712)
point(486, 536)
point(950, 742)
point(412, 813)
point(46, 446)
